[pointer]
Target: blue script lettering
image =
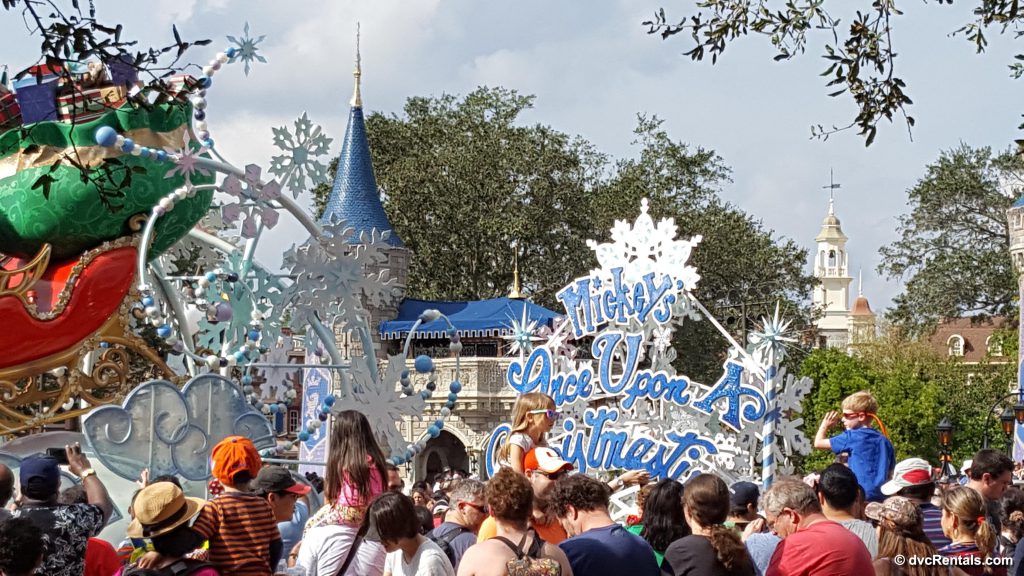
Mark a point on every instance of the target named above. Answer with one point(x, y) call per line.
point(603, 349)
point(589, 303)
point(535, 375)
point(730, 388)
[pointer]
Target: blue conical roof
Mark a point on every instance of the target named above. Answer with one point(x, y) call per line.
point(354, 197)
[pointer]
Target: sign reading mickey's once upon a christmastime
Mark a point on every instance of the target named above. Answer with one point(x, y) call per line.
point(623, 406)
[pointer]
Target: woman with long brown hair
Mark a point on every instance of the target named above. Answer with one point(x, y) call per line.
point(355, 476)
point(964, 522)
point(900, 529)
point(712, 549)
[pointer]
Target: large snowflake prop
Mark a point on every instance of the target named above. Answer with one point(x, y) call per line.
point(300, 162)
point(253, 199)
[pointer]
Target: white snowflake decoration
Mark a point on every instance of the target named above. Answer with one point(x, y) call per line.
point(377, 398)
point(301, 158)
point(247, 49)
point(254, 199)
point(330, 277)
point(644, 247)
point(278, 377)
point(524, 334)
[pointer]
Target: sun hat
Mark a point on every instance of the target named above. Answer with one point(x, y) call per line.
point(232, 455)
point(909, 472)
point(160, 508)
point(546, 460)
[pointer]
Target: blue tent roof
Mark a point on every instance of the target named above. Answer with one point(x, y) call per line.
point(355, 197)
point(479, 318)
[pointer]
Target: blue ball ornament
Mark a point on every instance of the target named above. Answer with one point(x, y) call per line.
point(405, 374)
point(144, 153)
point(231, 52)
point(254, 335)
point(423, 364)
point(433, 431)
point(246, 380)
point(449, 404)
point(452, 396)
point(211, 276)
point(274, 408)
point(148, 301)
point(322, 416)
point(330, 400)
point(104, 344)
point(240, 357)
point(161, 156)
point(431, 386)
point(163, 331)
point(303, 436)
point(105, 136)
point(455, 387)
point(208, 142)
point(199, 115)
point(128, 145)
point(247, 389)
point(425, 394)
point(439, 423)
point(205, 81)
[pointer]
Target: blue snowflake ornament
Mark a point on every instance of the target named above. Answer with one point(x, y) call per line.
point(247, 49)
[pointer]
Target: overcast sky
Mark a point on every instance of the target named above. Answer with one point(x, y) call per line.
point(593, 68)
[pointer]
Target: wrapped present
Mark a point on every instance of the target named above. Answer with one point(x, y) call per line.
point(86, 105)
point(10, 112)
point(181, 85)
point(36, 75)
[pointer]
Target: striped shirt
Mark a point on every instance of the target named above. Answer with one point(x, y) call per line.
point(932, 516)
point(240, 528)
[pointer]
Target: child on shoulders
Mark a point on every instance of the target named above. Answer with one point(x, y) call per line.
point(870, 454)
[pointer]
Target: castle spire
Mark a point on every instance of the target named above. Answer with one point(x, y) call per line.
point(357, 98)
point(517, 288)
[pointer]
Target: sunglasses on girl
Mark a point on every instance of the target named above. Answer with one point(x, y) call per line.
point(550, 414)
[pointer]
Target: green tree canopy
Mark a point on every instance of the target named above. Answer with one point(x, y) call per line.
point(915, 388)
point(953, 252)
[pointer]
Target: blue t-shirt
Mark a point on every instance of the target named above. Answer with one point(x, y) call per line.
point(761, 546)
point(872, 458)
point(610, 550)
point(291, 530)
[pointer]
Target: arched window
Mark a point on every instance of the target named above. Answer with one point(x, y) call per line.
point(832, 260)
point(994, 345)
point(956, 345)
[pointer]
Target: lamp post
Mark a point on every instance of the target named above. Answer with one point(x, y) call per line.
point(1007, 420)
point(945, 431)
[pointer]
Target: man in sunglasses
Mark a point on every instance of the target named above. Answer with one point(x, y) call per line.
point(542, 467)
point(462, 520)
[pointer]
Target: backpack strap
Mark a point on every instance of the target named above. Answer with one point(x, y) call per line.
point(537, 547)
point(450, 536)
point(185, 567)
point(517, 549)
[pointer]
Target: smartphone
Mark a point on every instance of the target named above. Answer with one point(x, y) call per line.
point(58, 454)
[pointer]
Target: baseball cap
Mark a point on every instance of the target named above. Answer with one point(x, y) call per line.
point(743, 493)
point(909, 472)
point(440, 507)
point(278, 479)
point(896, 509)
point(546, 460)
point(232, 455)
point(160, 508)
point(39, 476)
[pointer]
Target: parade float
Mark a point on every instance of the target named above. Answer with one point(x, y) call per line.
point(133, 302)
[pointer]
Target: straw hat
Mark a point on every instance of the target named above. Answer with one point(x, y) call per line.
point(160, 508)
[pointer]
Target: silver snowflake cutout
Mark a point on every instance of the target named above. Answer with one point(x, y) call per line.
point(247, 49)
point(302, 151)
point(376, 397)
point(254, 199)
point(524, 334)
point(771, 339)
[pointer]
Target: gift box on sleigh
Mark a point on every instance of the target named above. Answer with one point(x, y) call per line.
point(10, 112)
point(85, 105)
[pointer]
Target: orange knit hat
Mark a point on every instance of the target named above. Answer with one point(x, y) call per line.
point(232, 455)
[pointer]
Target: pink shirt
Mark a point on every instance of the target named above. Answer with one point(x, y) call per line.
point(350, 495)
point(824, 548)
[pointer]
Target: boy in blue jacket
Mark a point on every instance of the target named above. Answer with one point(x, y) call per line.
point(870, 455)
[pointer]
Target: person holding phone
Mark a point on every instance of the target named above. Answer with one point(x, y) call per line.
point(66, 527)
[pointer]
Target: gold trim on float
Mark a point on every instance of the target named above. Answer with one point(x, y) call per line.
point(89, 156)
point(28, 276)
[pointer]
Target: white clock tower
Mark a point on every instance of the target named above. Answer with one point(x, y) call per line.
point(832, 294)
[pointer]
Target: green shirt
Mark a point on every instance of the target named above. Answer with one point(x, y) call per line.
point(659, 555)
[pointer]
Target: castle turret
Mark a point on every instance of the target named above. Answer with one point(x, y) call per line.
point(355, 199)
